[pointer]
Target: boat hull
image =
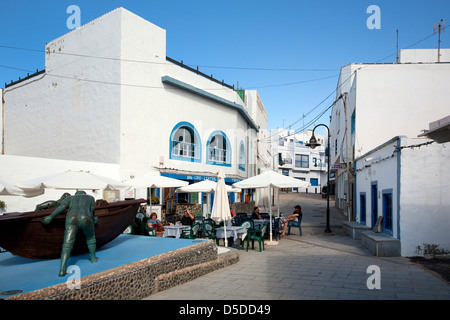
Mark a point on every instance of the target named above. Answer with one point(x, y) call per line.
point(23, 234)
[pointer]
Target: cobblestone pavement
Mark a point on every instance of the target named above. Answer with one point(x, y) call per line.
point(314, 266)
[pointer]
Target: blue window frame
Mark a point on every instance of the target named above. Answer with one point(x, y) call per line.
point(301, 161)
point(387, 211)
point(185, 143)
point(362, 207)
point(218, 149)
point(242, 158)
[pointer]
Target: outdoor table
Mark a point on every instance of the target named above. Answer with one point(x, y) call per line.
point(232, 231)
point(174, 230)
point(258, 224)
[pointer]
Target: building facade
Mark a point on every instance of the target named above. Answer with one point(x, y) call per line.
point(109, 94)
point(375, 102)
point(292, 158)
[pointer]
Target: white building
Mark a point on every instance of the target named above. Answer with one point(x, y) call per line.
point(376, 102)
point(292, 158)
point(406, 181)
point(109, 95)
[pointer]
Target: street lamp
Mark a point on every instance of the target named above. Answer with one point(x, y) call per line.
point(313, 144)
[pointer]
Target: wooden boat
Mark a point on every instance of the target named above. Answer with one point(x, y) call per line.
point(23, 234)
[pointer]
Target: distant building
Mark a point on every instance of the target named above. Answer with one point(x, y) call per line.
point(109, 94)
point(292, 158)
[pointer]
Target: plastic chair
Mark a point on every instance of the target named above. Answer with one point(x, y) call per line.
point(150, 231)
point(258, 235)
point(297, 223)
point(248, 224)
point(209, 231)
point(276, 228)
point(191, 233)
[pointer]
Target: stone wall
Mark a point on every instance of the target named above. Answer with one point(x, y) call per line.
point(142, 278)
point(243, 207)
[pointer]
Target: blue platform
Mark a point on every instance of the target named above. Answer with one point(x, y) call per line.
point(17, 273)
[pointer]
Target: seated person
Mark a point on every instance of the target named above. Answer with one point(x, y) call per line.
point(255, 214)
point(154, 223)
point(187, 219)
point(297, 215)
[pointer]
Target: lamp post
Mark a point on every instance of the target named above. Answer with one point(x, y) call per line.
point(313, 144)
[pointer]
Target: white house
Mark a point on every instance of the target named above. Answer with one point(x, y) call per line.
point(294, 159)
point(406, 181)
point(109, 94)
point(375, 102)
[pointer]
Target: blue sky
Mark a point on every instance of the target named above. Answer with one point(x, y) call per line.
point(291, 51)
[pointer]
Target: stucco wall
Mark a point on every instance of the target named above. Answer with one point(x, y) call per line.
point(424, 200)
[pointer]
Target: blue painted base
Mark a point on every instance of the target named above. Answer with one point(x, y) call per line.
point(27, 275)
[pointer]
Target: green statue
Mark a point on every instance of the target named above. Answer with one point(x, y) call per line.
point(51, 203)
point(80, 215)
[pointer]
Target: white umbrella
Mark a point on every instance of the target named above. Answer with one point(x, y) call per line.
point(155, 181)
point(221, 208)
point(271, 179)
point(70, 180)
point(207, 186)
point(7, 189)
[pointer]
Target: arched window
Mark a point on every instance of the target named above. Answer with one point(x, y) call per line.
point(242, 158)
point(219, 149)
point(185, 143)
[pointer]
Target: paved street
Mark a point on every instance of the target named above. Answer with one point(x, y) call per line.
point(313, 266)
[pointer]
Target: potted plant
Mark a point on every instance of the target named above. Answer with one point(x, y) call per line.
point(2, 207)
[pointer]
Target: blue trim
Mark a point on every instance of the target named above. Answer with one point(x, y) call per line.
point(197, 178)
point(361, 205)
point(388, 231)
point(197, 138)
point(399, 153)
point(228, 150)
point(213, 97)
point(373, 202)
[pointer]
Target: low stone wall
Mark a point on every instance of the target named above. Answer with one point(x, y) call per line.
point(143, 278)
point(244, 207)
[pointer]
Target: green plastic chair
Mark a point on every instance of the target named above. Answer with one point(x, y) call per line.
point(150, 231)
point(209, 230)
point(258, 235)
point(248, 224)
point(191, 233)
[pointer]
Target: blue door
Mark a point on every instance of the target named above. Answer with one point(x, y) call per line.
point(374, 198)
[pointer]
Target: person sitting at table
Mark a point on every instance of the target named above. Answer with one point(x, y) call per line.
point(255, 214)
point(293, 217)
point(187, 219)
point(154, 223)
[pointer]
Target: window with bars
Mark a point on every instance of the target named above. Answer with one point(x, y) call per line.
point(185, 143)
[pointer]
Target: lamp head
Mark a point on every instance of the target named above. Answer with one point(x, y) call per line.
point(312, 143)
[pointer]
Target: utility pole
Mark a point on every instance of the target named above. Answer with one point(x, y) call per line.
point(396, 59)
point(441, 28)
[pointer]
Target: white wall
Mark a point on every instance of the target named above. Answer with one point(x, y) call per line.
point(424, 200)
point(46, 116)
point(380, 167)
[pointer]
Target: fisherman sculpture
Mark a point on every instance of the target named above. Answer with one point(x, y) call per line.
point(80, 215)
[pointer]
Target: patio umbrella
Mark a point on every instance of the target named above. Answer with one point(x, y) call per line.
point(221, 208)
point(207, 186)
point(70, 180)
point(271, 179)
point(7, 189)
point(155, 181)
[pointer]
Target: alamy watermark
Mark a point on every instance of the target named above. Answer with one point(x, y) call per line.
point(374, 21)
point(74, 20)
point(374, 280)
point(74, 280)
